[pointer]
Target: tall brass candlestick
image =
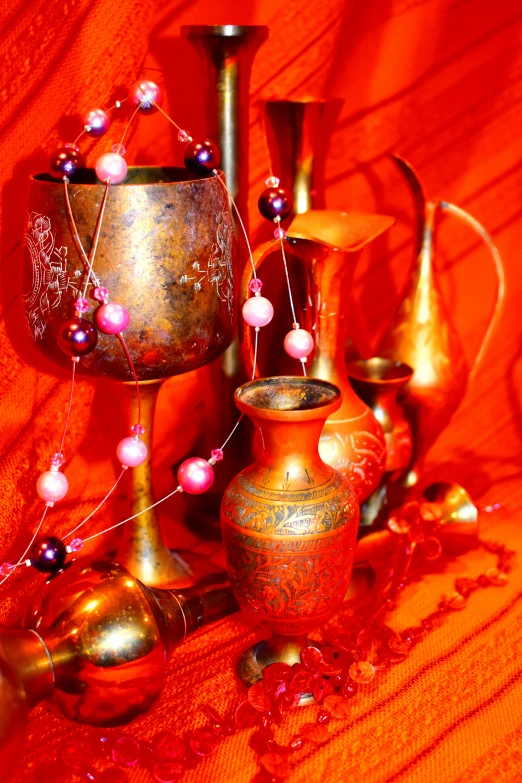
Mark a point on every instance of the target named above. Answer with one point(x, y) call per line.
point(228, 52)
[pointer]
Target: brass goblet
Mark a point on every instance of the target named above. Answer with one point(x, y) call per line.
point(166, 252)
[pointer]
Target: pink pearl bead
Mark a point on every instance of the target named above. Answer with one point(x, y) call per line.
point(299, 343)
point(195, 475)
point(111, 166)
point(145, 94)
point(97, 121)
point(52, 486)
point(131, 452)
point(258, 311)
point(112, 318)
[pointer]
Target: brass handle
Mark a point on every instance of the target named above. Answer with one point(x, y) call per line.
point(479, 229)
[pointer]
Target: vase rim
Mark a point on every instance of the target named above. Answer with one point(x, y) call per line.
point(183, 177)
point(378, 370)
point(288, 398)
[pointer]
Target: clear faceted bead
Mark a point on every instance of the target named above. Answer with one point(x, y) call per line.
point(216, 455)
point(137, 429)
point(6, 569)
point(76, 544)
point(183, 136)
point(255, 285)
point(126, 751)
point(57, 460)
point(362, 671)
point(279, 233)
point(119, 149)
point(81, 305)
point(272, 182)
point(101, 294)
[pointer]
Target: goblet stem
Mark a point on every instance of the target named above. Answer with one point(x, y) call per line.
point(143, 551)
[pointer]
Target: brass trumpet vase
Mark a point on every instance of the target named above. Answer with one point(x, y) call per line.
point(289, 521)
point(378, 382)
point(166, 251)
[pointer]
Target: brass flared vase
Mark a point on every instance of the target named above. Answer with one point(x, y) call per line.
point(166, 253)
point(328, 243)
point(289, 521)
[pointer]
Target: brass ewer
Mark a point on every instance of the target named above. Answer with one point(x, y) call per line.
point(166, 252)
point(422, 333)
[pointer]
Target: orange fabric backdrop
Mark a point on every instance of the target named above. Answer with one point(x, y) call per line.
point(435, 80)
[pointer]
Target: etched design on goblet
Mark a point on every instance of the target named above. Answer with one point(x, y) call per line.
point(50, 278)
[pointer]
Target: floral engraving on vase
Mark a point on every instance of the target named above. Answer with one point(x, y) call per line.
point(50, 278)
point(289, 552)
point(289, 513)
point(360, 456)
point(219, 269)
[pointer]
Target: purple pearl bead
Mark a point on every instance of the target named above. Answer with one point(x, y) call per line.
point(145, 94)
point(77, 337)
point(48, 555)
point(97, 121)
point(275, 202)
point(202, 157)
point(64, 161)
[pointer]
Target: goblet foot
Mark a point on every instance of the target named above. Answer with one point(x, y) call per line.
point(275, 649)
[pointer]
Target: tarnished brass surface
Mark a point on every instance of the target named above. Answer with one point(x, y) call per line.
point(142, 549)
point(423, 336)
point(227, 53)
point(26, 676)
point(297, 135)
point(165, 252)
point(328, 243)
point(276, 649)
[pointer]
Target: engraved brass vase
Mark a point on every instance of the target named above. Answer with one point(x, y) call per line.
point(166, 252)
point(377, 382)
point(289, 521)
point(328, 243)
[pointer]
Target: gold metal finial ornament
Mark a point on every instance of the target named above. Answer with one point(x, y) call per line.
point(95, 645)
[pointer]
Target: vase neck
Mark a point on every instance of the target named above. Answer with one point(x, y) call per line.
point(425, 258)
point(288, 453)
point(329, 275)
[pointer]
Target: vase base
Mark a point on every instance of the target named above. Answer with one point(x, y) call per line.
point(275, 649)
